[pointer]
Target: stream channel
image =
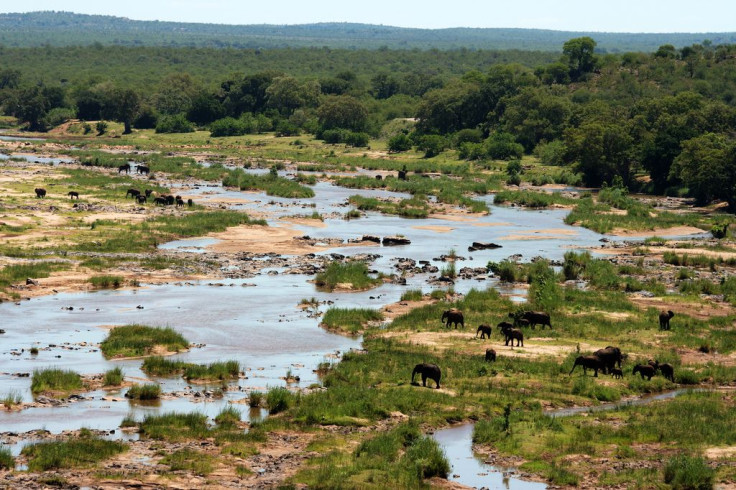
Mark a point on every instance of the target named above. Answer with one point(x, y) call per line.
point(256, 321)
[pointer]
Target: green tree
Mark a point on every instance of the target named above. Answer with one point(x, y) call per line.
point(707, 165)
point(580, 57)
point(398, 143)
point(602, 150)
point(343, 111)
point(286, 94)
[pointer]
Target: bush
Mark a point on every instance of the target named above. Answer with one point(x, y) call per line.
point(719, 230)
point(552, 153)
point(101, 127)
point(228, 127)
point(432, 145)
point(688, 473)
point(503, 146)
point(399, 143)
point(358, 140)
point(174, 124)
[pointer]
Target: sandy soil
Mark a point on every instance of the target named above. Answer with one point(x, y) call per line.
point(262, 239)
point(675, 230)
point(437, 229)
point(701, 311)
point(547, 234)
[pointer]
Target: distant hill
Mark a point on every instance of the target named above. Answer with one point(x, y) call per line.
point(66, 28)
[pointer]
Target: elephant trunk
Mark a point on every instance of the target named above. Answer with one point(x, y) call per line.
point(573, 368)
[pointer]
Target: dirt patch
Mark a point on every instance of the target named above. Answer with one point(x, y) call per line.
point(547, 234)
point(720, 452)
point(701, 311)
point(313, 223)
point(402, 307)
point(262, 239)
point(675, 230)
point(437, 229)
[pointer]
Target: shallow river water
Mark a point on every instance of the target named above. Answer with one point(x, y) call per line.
point(254, 321)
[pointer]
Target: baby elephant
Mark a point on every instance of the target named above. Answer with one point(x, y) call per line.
point(73, 194)
point(484, 330)
point(490, 355)
point(617, 373)
point(40, 192)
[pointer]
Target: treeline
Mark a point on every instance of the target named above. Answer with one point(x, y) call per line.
point(661, 122)
point(70, 29)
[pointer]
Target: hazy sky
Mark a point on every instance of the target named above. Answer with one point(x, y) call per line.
point(575, 15)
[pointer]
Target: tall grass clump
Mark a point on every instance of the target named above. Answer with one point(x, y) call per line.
point(11, 399)
point(271, 183)
point(82, 451)
point(6, 459)
point(141, 340)
point(279, 399)
point(113, 377)
point(199, 463)
point(106, 282)
point(353, 273)
point(144, 392)
point(55, 380)
point(689, 473)
point(228, 417)
point(216, 371)
point(175, 426)
point(351, 320)
point(507, 271)
point(412, 295)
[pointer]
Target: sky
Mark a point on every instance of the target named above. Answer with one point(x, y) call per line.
point(568, 15)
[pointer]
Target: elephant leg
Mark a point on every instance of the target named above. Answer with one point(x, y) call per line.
point(596, 373)
point(424, 379)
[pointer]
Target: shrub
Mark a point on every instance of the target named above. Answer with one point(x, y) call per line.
point(359, 140)
point(255, 399)
point(412, 295)
point(432, 145)
point(552, 153)
point(174, 124)
point(399, 143)
point(106, 282)
point(6, 459)
point(228, 127)
point(228, 417)
point(101, 127)
point(354, 273)
point(688, 473)
point(503, 146)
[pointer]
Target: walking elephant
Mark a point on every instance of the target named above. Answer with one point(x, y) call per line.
point(73, 194)
point(484, 330)
point(664, 319)
point(645, 370)
point(431, 371)
point(588, 362)
point(490, 355)
point(666, 369)
point(537, 318)
point(453, 316)
point(40, 192)
point(511, 334)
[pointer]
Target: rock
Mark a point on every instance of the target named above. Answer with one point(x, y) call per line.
point(482, 246)
point(371, 238)
point(395, 240)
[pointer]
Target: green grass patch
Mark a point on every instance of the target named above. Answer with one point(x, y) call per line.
point(412, 295)
point(113, 377)
point(350, 320)
point(55, 380)
point(144, 392)
point(415, 207)
point(141, 340)
point(175, 426)
point(217, 371)
point(354, 275)
point(532, 199)
point(197, 462)
point(11, 399)
point(12, 274)
point(270, 183)
point(7, 462)
point(106, 282)
point(83, 451)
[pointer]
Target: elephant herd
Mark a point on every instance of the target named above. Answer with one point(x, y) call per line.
point(607, 360)
point(41, 193)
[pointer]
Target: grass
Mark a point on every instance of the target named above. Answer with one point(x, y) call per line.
point(83, 451)
point(160, 366)
point(141, 340)
point(106, 282)
point(12, 274)
point(415, 207)
point(350, 320)
point(228, 417)
point(412, 295)
point(11, 399)
point(144, 392)
point(7, 462)
point(532, 199)
point(354, 274)
point(279, 399)
point(174, 426)
point(56, 381)
point(113, 377)
point(270, 183)
point(197, 462)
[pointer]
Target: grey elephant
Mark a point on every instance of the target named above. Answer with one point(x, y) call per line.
point(431, 371)
point(453, 316)
point(484, 331)
point(588, 362)
point(645, 370)
point(611, 357)
point(664, 319)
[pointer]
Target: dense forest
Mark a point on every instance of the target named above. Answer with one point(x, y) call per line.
point(68, 29)
point(661, 122)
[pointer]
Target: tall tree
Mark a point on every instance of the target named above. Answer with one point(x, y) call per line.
point(580, 56)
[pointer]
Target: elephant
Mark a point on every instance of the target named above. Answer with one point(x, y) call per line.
point(588, 362)
point(645, 370)
point(490, 355)
point(159, 200)
point(518, 320)
point(170, 200)
point(190, 203)
point(141, 199)
point(142, 169)
point(537, 318)
point(40, 192)
point(453, 316)
point(431, 371)
point(513, 333)
point(124, 168)
point(617, 373)
point(610, 357)
point(504, 325)
point(402, 173)
point(484, 330)
point(148, 192)
point(179, 202)
point(134, 193)
point(664, 319)
point(666, 369)
point(73, 194)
